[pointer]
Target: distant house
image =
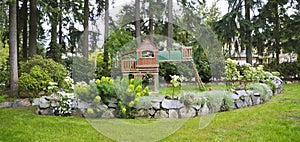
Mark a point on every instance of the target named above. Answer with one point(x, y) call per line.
point(283, 57)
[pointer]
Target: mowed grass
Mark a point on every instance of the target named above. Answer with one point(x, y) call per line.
point(275, 120)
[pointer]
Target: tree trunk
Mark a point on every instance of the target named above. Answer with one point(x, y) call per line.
point(24, 34)
point(248, 33)
point(23, 26)
point(33, 28)
point(106, 32)
point(137, 22)
point(85, 47)
point(54, 51)
point(151, 30)
point(277, 34)
point(13, 48)
point(170, 25)
point(260, 48)
point(60, 25)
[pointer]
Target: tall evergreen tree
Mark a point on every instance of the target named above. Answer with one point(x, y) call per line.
point(33, 28)
point(137, 22)
point(170, 24)
point(106, 34)
point(85, 47)
point(13, 48)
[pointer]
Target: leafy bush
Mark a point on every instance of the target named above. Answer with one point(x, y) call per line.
point(56, 71)
point(288, 70)
point(33, 82)
point(166, 69)
point(190, 98)
point(86, 92)
point(106, 88)
point(218, 100)
point(129, 93)
point(4, 69)
point(231, 70)
point(68, 85)
point(263, 89)
point(3, 98)
point(51, 88)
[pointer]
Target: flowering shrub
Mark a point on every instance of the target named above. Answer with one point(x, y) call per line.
point(65, 103)
point(248, 74)
point(231, 70)
point(68, 85)
point(96, 109)
point(176, 82)
point(51, 88)
point(105, 88)
point(129, 92)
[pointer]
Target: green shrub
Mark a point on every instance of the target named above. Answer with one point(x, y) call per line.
point(33, 82)
point(263, 89)
point(4, 69)
point(190, 98)
point(86, 92)
point(3, 98)
point(106, 88)
point(56, 71)
point(129, 93)
point(218, 100)
point(231, 70)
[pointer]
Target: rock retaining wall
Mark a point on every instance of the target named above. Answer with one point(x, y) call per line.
point(157, 107)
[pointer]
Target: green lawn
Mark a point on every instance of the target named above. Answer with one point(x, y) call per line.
point(276, 120)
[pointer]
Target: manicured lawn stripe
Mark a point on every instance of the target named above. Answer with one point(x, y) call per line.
point(276, 120)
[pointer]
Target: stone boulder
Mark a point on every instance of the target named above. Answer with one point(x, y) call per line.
point(187, 112)
point(83, 104)
point(204, 110)
point(247, 101)
point(255, 99)
point(44, 111)
point(239, 104)
point(44, 102)
point(142, 113)
point(151, 112)
point(161, 114)
point(6, 104)
point(35, 102)
point(171, 104)
point(108, 114)
point(155, 105)
point(173, 113)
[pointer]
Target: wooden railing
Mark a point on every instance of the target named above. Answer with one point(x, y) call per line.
point(147, 61)
point(187, 52)
point(128, 65)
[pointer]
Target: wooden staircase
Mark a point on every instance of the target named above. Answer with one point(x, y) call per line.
point(198, 79)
